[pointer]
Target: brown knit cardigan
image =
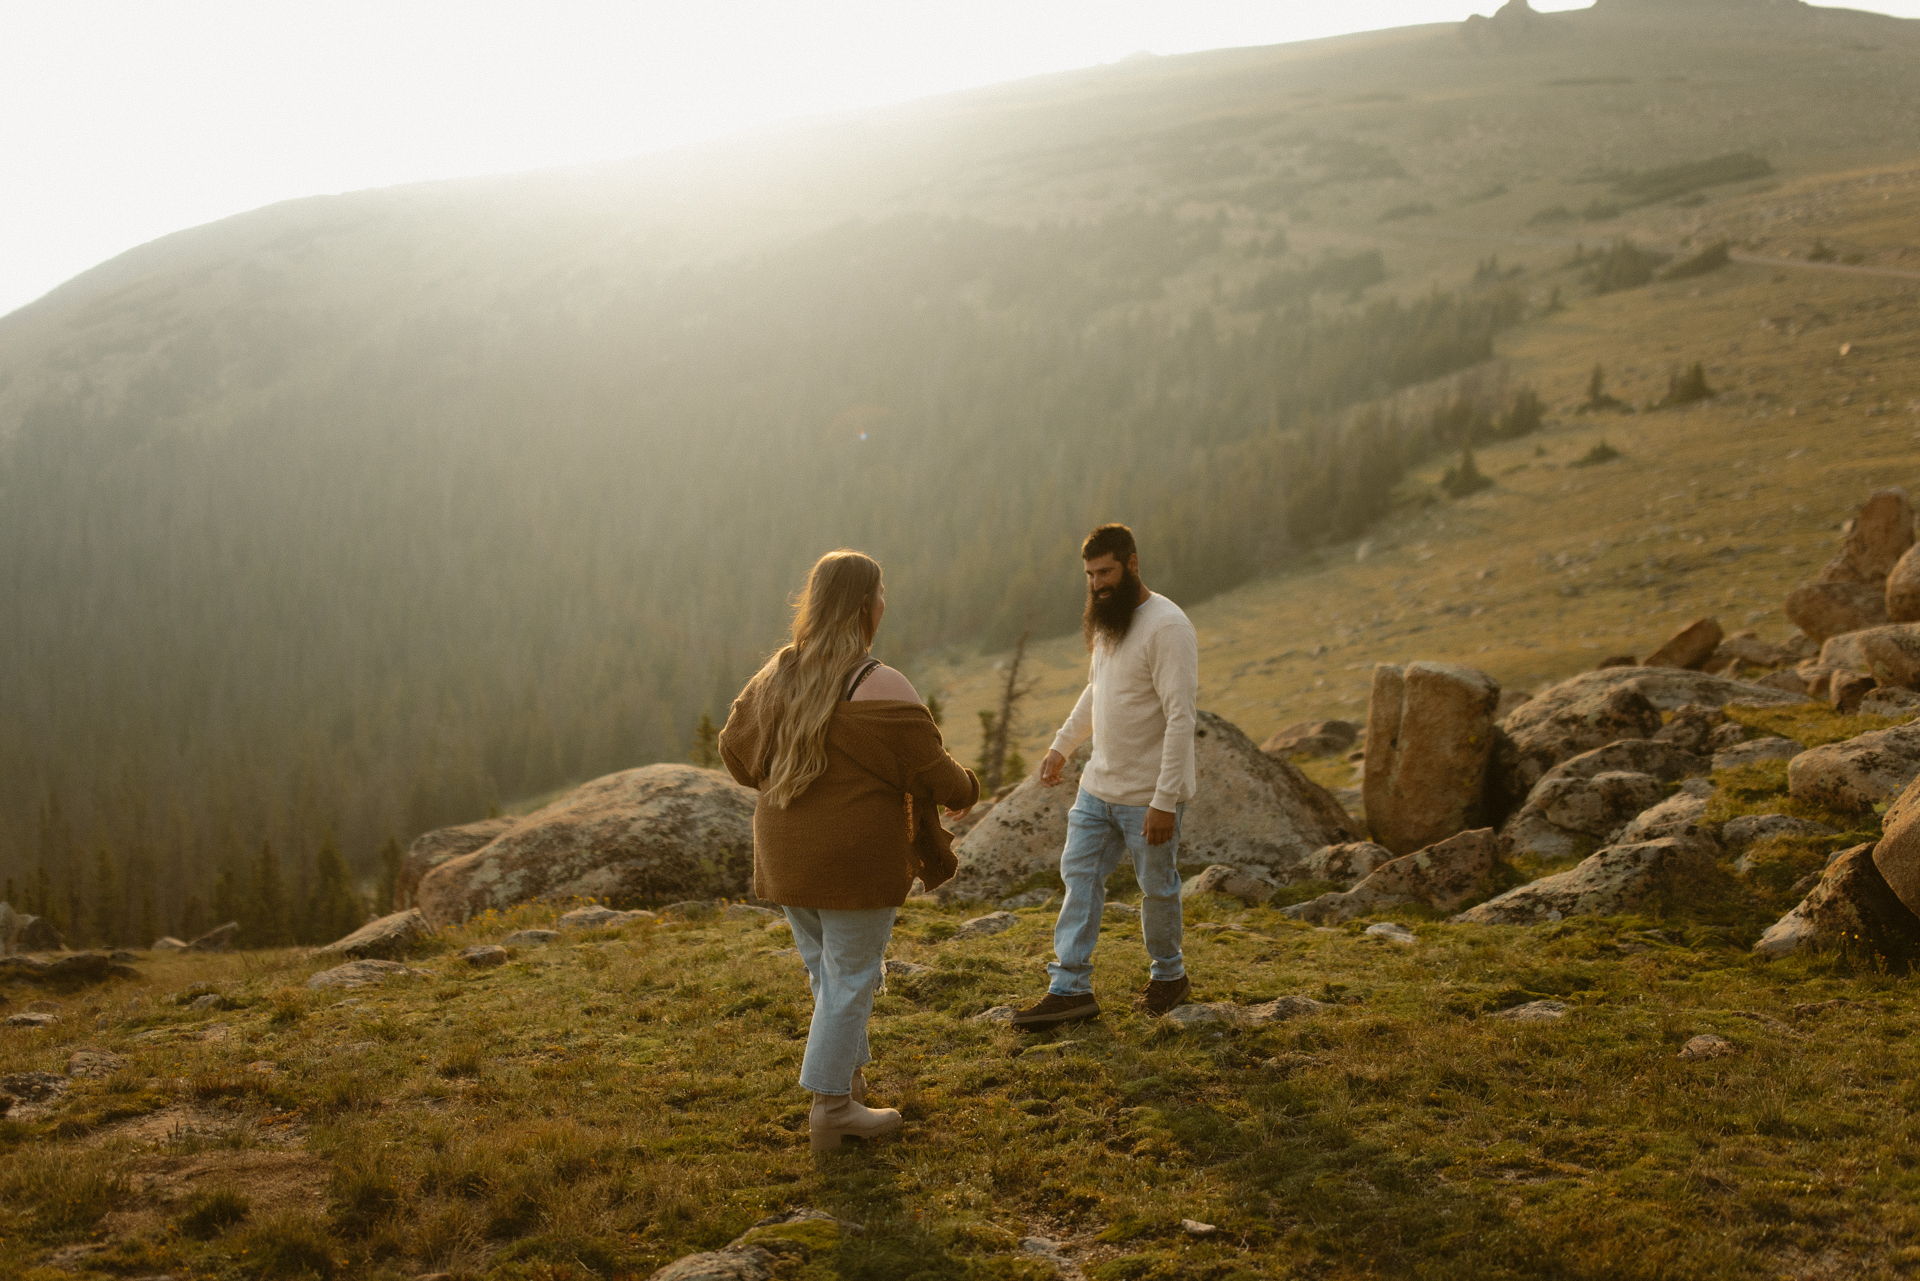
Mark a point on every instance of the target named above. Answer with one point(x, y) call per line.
point(863, 830)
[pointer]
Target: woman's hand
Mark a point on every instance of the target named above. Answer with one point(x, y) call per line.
point(954, 816)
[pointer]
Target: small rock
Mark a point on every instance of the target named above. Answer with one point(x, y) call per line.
point(1039, 1245)
point(530, 938)
point(903, 969)
point(735, 1263)
point(747, 911)
point(998, 1014)
point(1845, 690)
point(483, 955)
point(1691, 727)
point(1120, 909)
point(32, 1020)
point(217, 939)
point(168, 943)
point(1690, 647)
point(1195, 1228)
point(33, 1087)
point(1313, 738)
point(361, 974)
point(1749, 829)
point(265, 1067)
point(1345, 865)
point(596, 917)
point(1891, 702)
point(1027, 898)
point(1250, 885)
point(90, 1062)
point(395, 935)
point(1707, 1047)
point(1198, 1013)
point(1679, 815)
point(211, 1001)
point(1756, 751)
point(983, 926)
point(1392, 932)
point(689, 909)
point(1532, 1012)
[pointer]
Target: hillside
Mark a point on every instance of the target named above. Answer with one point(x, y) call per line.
point(362, 514)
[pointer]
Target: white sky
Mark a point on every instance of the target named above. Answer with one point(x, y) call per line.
point(122, 120)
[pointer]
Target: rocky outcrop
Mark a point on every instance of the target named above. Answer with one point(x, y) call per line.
point(1859, 772)
point(1852, 907)
point(1313, 738)
point(1584, 802)
point(661, 831)
point(1601, 707)
point(1903, 588)
point(442, 845)
point(1443, 876)
point(1253, 810)
point(1617, 879)
point(391, 937)
point(1346, 865)
point(1429, 738)
point(1690, 647)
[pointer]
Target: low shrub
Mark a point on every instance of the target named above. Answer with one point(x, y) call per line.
point(207, 1214)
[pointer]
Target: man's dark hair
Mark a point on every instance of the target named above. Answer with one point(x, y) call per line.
point(1109, 540)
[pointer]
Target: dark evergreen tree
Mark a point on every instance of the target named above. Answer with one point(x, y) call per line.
point(391, 857)
point(335, 909)
point(706, 743)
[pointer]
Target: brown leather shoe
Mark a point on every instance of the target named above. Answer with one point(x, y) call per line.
point(1161, 995)
point(1056, 1010)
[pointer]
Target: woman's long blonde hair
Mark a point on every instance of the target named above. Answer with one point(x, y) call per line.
point(799, 686)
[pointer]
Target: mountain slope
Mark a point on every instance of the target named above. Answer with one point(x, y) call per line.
point(362, 513)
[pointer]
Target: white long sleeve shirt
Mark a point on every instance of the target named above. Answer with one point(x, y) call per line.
point(1139, 707)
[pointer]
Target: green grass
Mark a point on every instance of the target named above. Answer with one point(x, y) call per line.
point(486, 1123)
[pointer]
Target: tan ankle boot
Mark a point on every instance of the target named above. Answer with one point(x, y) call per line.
point(859, 1090)
point(835, 1116)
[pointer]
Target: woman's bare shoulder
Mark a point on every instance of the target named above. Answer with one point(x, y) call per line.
point(886, 683)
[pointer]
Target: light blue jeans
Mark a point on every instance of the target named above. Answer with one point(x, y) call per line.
point(1097, 835)
point(844, 952)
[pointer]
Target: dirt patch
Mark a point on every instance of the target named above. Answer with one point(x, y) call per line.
point(274, 1181)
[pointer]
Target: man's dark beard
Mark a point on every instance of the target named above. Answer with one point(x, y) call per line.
point(1109, 618)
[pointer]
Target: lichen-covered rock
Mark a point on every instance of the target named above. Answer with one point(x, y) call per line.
point(1891, 655)
point(1681, 814)
point(1859, 772)
point(656, 832)
point(1252, 810)
point(1250, 885)
point(1210, 1013)
point(396, 935)
point(1429, 738)
point(530, 938)
point(1707, 1046)
point(442, 845)
point(983, 926)
point(1347, 864)
point(361, 974)
point(1756, 751)
point(1571, 811)
point(1313, 738)
point(1691, 727)
point(1690, 647)
point(1443, 876)
point(596, 917)
point(1583, 713)
point(1822, 610)
point(1617, 879)
point(1891, 702)
point(1903, 588)
point(1750, 829)
point(1853, 906)
point(483, 956)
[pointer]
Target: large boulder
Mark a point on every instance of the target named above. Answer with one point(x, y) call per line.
point(1874, 541)
point(36, 934)
point(1824, 610)
point(1903, 588)
point(1429, 736)
point(1617, 879)
point(1852, 906)
point(442, 845)
point(1890, 654)
point(1690, 647)
point(1898, 854)
point(1857, 773)
point(1252, 810)
point(661, 831)
point(390, 937)
point(1443, 876)
point(217, 939)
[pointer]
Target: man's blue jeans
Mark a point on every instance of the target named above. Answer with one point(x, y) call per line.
point(1097, 835)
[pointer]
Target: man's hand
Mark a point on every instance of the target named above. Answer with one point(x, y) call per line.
point(1159, 826)
point(1051, 768)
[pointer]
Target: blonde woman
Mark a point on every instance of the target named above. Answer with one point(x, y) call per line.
point(851, 773)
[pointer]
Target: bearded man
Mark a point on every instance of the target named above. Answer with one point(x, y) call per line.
point(1138, 707)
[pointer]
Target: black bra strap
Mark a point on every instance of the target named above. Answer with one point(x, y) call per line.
point(863, 674)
